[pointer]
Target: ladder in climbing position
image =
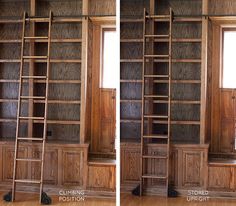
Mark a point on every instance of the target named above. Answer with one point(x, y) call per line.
point(22, 98)
point(156, 105)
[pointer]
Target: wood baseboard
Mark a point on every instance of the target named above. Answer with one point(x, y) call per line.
point(54, 190)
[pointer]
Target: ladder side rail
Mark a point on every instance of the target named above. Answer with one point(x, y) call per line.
point(46, 104)
point(169, 99)
point(143, 101)
point(19, 108)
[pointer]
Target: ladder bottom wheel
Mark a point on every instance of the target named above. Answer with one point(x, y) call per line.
point(136, 191)
point(45, 199)
point(8, 197)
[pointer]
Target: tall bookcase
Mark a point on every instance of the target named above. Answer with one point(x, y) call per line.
point(186, 67)
point(65, 72)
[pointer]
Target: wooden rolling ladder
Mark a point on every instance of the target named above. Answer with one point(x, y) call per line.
point(21, 98)
point(149, 137)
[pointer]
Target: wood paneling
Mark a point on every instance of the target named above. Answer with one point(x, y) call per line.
point(130, 163)
point(107, 120)
point(221, 178)
point(7, 161)
point(227, 123)
point(65, 164)
point(72, 167)
point(219, 7)
point(102, 7)
point(215, 101)
point(101, 177)
point(95, 88)
point(50, 165)
point(192, 166)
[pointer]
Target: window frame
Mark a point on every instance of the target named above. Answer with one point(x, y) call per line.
point(104, 29)
point(224, 29)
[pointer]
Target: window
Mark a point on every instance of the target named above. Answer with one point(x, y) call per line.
point(229, 59)
point(109, 58)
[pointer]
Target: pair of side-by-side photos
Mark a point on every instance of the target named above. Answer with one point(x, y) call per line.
point(117, 102)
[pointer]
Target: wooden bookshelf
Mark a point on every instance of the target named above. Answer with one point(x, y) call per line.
point(65, 74)
point(186, 68)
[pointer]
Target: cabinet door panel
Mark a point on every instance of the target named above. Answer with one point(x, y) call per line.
point(8, 163)
point(219, 178)
point(227, 127)
point(50, 165)
point(72, 167)
point(192, 168)
point(101, 177)
point(227, 135)
point(130, 165)
point(107, 120)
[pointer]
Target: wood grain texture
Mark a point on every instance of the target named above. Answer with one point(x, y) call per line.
point(95, 103)
point(220, 178)
point(188, 165)
point(187, 7)
point(65, 164)
point(102, 7)
point(62, 8)
point(222, 7)
point(101, 177)
point(130, 200)
point(128, 8)
point(72, 168)
point(107, 113)
point(10, 8)
point(130, 163)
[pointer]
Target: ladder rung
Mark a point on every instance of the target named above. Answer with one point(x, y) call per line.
point(32, 97)
point(155, 136)
point(156, 116)
point(36, 37)
point(155, 76)
point(28, 160)
point(156, 96)
point(158, 16)
point(156, 56)
point(34, 118)
point(35, 57)
point(34, 77)
point(30, 138)
point(156, 36)
point(37, 19)
point(153, 176)
point(29, 181)
point(154, 157)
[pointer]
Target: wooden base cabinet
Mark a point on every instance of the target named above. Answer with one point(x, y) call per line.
point(65, 164)
point(188, 166)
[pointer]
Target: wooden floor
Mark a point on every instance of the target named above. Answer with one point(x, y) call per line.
point(24, 199)
point(129, 200)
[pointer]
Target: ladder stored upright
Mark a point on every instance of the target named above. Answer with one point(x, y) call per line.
point(155, 128)
point(21, 98)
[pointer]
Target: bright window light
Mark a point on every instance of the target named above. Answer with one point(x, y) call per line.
point(229, 59)
point(110, 60)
